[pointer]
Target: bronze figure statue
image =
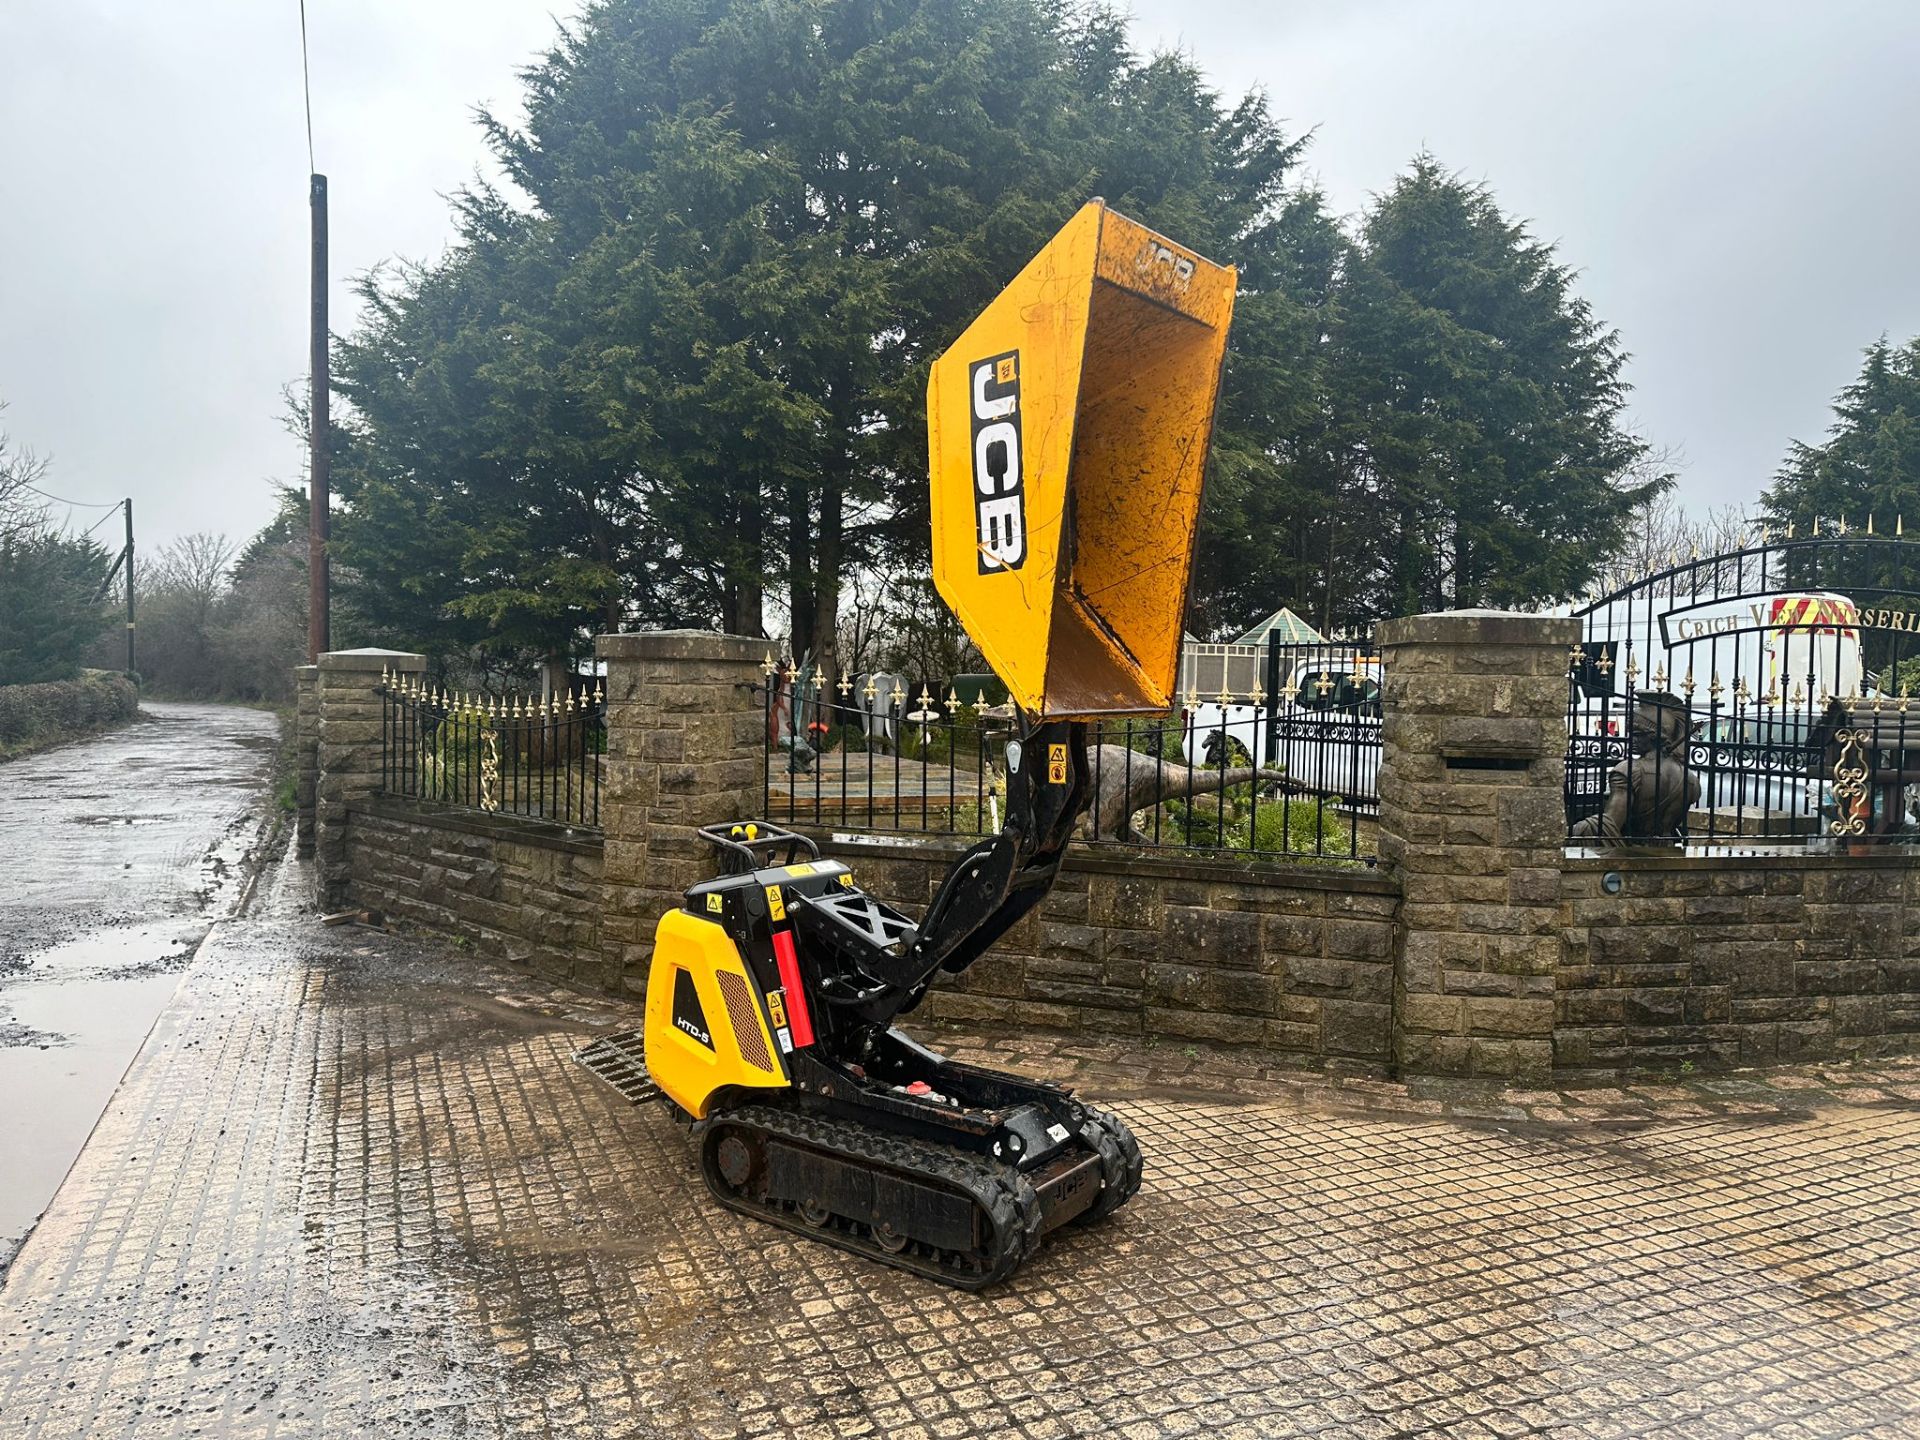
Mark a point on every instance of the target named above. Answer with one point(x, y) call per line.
point(1650, 792)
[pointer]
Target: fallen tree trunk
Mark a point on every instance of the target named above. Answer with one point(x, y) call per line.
point(1128, 781)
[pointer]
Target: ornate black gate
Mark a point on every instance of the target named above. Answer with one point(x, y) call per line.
point(1707, 699)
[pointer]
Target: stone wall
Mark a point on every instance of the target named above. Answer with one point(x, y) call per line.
point(306, 754)
point(512, 889)
point(1716, 962)
point(1297, 961)
point(684, 734)
point(1478, 950)
point(347, 750)
point(1471, 825)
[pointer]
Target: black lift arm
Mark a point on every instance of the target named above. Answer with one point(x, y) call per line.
point(995, 883)
point(874, 963)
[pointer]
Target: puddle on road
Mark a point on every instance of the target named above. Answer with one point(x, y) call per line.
point(71, 1019)
point(76, 859)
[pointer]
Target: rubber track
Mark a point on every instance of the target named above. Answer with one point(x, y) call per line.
point(1120, 1162)
point(1006, 1196)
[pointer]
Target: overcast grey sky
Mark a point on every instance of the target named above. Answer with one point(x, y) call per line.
point(1734, 181)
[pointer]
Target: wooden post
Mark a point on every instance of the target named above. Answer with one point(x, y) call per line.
point(130, 668)
point(319, 639)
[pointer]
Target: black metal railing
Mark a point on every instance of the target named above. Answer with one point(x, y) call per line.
point(1288, 772)
point(499, 755)
point(1705, 700)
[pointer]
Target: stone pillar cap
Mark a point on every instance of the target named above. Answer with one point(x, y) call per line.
point(1479, 627)
point(681, 645)
point(372, 659)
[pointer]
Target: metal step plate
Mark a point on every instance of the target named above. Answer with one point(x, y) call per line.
point(621, 1061)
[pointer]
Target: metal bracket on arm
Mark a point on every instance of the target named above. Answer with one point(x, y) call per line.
point(997, 882)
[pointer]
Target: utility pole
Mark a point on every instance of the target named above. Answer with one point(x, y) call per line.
point(318, 493)
point(130, 666)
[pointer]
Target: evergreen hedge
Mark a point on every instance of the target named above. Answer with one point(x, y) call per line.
point(33, 717)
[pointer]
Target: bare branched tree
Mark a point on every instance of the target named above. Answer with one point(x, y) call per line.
point(1665, 533)
point(180, 597)
point(22, 511)
point(196, 566)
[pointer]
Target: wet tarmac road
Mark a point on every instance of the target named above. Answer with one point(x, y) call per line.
point(117, 854)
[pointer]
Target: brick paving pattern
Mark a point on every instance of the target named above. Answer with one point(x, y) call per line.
point(358, 1187)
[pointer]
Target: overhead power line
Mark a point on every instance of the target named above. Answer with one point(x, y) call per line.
point(77, 504)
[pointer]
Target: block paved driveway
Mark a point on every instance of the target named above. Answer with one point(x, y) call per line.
point(355, 1185)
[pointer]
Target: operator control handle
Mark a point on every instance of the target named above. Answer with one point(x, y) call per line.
point(746, 840)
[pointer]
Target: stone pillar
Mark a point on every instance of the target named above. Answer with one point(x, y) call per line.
point(306, 754)
point(685, 748)
point(1473, 825)
point(348, 712)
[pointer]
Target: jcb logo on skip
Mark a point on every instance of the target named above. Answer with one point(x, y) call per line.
point(999, 491)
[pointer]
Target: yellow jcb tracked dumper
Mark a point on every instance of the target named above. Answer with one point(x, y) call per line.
point(1068, 431)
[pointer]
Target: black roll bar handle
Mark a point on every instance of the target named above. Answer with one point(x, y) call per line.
point(741, 844)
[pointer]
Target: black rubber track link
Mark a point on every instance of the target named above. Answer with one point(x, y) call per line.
point(1120, 1162)
point(1005, 1202)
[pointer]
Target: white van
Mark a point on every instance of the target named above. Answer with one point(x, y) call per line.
point(1793, 647)
point(1326, 735)
point(1755, 674)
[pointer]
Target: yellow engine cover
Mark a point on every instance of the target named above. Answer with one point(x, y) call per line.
point(1068, 429)
point(705, 1027)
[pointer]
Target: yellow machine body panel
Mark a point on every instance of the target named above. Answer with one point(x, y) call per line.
point(705, 1029)
point(1068, 429)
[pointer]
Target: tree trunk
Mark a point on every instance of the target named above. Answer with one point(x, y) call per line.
point(826, 595)
point(746, 593)
point(601, 540)
point(799, 564)
point(1326, 609)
